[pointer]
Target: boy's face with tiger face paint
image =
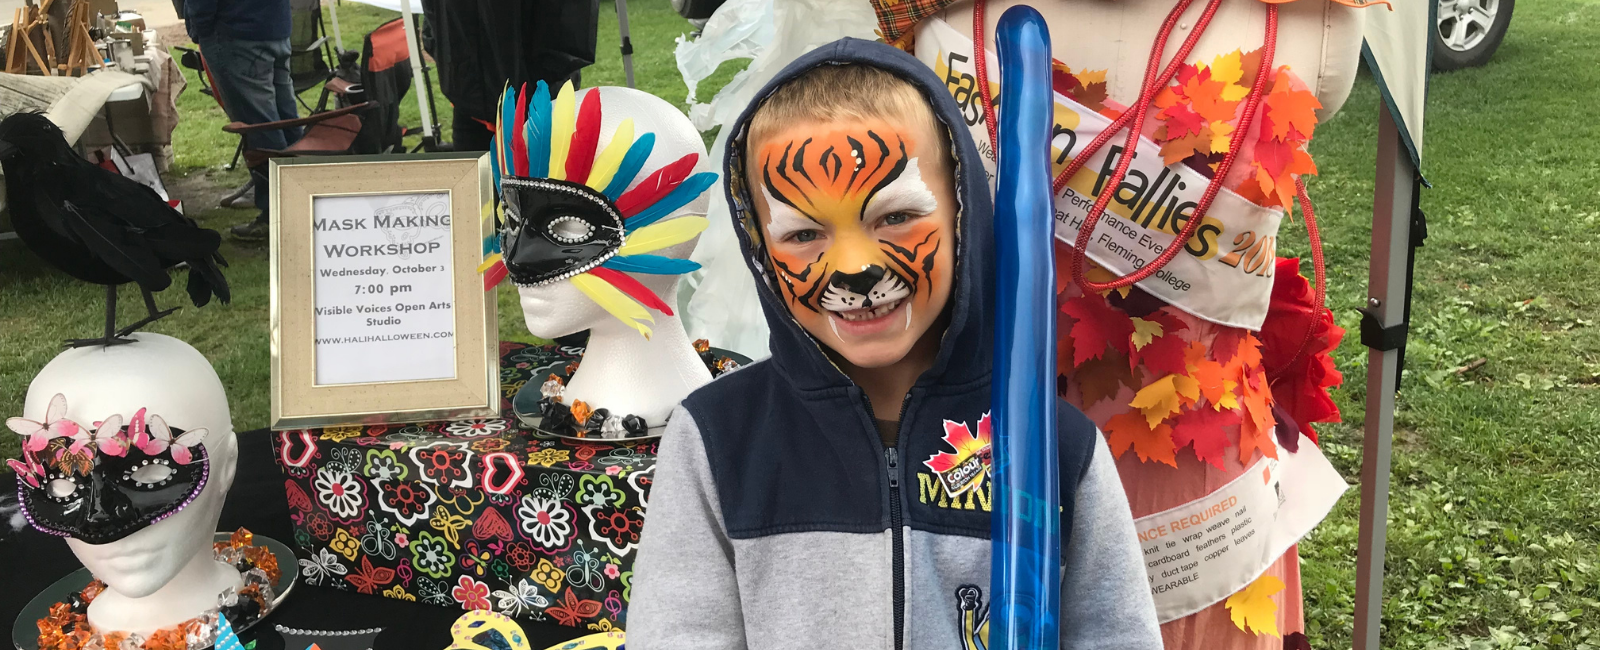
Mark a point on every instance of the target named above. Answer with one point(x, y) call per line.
point(859, 221)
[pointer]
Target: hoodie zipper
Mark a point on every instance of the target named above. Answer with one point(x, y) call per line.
point(891, 456)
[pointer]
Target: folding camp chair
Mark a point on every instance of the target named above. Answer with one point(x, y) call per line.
point(326, 132)
point(385, 78)
point(311, 50)
point(330, 133)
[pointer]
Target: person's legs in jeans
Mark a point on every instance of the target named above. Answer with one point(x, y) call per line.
point(247, 75)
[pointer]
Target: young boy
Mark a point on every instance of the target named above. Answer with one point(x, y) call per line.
point(837, 494)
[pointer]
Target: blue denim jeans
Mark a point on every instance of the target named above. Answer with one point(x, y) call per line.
point(253, 79)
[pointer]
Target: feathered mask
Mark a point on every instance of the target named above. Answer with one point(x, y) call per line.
point(570, 214)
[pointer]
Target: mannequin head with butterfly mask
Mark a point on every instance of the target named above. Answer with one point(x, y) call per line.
point(129, 452)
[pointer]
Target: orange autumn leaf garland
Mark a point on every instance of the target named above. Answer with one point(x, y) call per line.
point(1087, 87)
point(1199, 111)
point(1132, 431)
point(1194, 394)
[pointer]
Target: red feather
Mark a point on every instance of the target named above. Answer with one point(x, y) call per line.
point(630, 286)
point(493, 276)
point(519, 148)
point(585, 137)
point(656, 186)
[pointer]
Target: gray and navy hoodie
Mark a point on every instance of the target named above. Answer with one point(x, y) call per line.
point(778, 518)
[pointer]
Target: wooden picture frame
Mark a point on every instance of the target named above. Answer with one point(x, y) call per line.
point(378, 309)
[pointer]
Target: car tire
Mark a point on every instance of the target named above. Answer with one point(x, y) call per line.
point(1467, 32)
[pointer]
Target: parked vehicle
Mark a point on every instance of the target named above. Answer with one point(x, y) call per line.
point(1467, 32)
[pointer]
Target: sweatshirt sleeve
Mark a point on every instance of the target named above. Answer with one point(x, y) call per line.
point(684, 594)
point(1105, 587)
point(200, 17)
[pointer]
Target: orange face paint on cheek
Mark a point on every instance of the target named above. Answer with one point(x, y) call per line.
point(914, 253)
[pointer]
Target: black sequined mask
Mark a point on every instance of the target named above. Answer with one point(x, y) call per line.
point(556, 230)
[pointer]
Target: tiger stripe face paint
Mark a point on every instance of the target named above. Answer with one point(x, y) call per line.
point(859, 222)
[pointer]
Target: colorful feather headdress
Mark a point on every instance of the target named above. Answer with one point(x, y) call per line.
point(569, 213)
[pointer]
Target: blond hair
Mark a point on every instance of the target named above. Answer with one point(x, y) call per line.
point(836, 92)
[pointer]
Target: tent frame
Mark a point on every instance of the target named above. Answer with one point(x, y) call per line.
point(1397, 229)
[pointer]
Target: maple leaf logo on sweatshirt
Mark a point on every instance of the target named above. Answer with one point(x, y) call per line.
point(965, 468)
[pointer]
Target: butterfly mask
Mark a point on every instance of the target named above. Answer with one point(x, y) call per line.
point(104, 483)
point(577, 212)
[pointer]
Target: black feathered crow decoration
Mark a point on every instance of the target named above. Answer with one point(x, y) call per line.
point(100, 227)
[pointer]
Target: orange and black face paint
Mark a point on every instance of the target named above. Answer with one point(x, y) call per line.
point(846, 182)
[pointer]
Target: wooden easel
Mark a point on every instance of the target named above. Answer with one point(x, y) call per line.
point(81, 52)
point(24, 27)
point(32, 22)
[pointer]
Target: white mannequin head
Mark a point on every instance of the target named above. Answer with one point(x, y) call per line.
point(557, 309)
point(639, 360)
point(171, 379)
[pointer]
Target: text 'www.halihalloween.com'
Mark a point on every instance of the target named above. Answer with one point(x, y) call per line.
point(378, 338)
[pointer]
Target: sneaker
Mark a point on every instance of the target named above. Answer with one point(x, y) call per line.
point(242, 198)
point(243, 202)
point(255, 231)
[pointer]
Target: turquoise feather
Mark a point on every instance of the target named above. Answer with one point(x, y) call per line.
point(631, 163)
point(651, 264)
point(538, 132)
point(681, 195)
point(508, 122)
point(494, 164)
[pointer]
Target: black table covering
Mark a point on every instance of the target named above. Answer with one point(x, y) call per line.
point(31, 561)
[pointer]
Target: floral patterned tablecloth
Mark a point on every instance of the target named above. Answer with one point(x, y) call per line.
point(475, 514)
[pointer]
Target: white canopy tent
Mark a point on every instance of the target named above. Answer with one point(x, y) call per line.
point(1397, 53)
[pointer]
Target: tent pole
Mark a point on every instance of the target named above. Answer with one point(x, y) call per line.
point(418, 82)
point(627, 45)
point(338, 41)
point(1393, 192)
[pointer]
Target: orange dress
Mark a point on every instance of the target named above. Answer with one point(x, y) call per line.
point(1186, 404)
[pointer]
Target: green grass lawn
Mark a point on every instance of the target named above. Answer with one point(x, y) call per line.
point(1493, 539)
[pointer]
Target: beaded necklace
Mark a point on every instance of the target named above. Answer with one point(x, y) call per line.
point(67, 626)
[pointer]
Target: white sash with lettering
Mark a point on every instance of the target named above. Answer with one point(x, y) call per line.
point(1226, 275)
point(1203, 551)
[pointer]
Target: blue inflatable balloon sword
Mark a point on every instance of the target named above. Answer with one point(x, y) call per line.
point(1024, 613)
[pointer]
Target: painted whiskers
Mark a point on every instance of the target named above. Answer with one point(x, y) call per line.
point(552, 142)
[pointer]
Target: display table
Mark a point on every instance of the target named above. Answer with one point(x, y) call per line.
point(473, 514)
point(591, 482)
point(31, 561)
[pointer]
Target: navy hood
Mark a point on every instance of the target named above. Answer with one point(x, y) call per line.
point(796, 354)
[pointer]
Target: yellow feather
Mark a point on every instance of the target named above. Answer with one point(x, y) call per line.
point(500, 147)
point(562, 124)
point(488, 262)
point(616, 302)
point(500, 136)
point(605, 165)
point(660, 235)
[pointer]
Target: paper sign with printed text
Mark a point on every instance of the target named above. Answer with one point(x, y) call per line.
point(1224, 276)
point(1199, 553)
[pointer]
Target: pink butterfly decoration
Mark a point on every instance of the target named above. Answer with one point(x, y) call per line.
point(55, 425)
point(30, 472)
point(155, 437)
point(107, 437)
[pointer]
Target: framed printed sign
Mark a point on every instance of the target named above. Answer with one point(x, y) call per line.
point(378, 310)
